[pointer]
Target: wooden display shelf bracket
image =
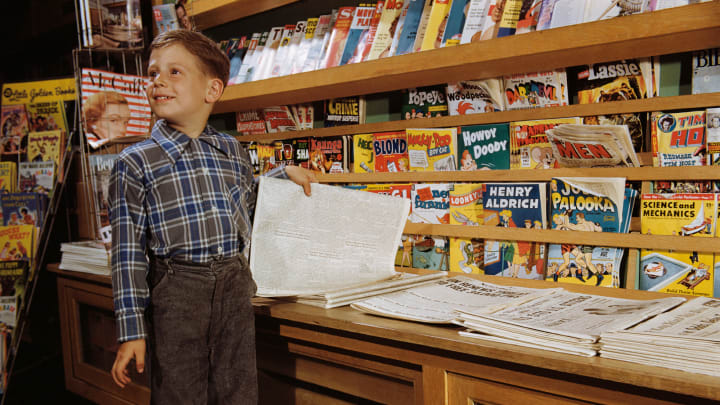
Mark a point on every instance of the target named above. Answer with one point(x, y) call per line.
point(211, 13)
point(641, 35)
point(578, 110)
point(622, 240)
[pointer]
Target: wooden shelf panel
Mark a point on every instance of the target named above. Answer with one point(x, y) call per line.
point(631, 173)
point(657, 33)
point(624, 240)
point(578, 110)
point(211, 13)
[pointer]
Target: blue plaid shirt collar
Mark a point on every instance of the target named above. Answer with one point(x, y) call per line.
point(174, 142)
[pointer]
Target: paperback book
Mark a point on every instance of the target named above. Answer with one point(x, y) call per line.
point(278, 119)
point(46, 146)
point(23, 209)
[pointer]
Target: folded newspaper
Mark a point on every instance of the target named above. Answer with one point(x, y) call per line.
point(686, 338)
point(438, 302)
point(562, 321)
point(335, 239)
point(576, 145)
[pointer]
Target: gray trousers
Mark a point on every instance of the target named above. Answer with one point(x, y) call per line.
point(202, 333)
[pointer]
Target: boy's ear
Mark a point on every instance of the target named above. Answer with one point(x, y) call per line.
point(214, 90)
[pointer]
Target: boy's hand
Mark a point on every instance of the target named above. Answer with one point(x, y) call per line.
point(301, 176)
point(127, 351)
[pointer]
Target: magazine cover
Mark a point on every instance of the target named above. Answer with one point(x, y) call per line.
point(358, 35)
point(14, 124)
point(403, 257)
point(483, 147)
point(604, 9)
point(344, 111)
point(678, 138)
point(278, 119)
point(13, 276)
point(389, 19)
point(436, 25)
point(474, 19)
point(46, 116)
point(430, 205)
point(111, 25)
point(165, 17)
point(536, 89)
point(281, 62)
point(315, 51)
point(8, 177)
point(529, 15)
point(706, 71)
point(114, 105)
point(712, 135)
point(338, 37)
point(514, 205)
point(455, 21)
point(301, 148)
point(250, 123)
point(363, 156)
point(529, 145)
point(636, 123)
point(327, 155)
point(413, 14)
point(475, 96)
point(431, 149)
point(303, 47)
point(466, 255)
point(424, 102)
point(510, 16)
point(589, 205)
point(244, 72)
point(16, 242)
point(100, 168)
point(628, 79)
point(576, 145)
point(692, 215)
point(23, 209)
point(36, 177)
point(391, 152)
point(491, 22)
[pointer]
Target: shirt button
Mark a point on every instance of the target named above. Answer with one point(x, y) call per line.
point(205, 171)
point(219, 249)
point(213, 208)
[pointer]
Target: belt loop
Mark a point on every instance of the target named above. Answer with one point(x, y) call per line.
point(168, 265)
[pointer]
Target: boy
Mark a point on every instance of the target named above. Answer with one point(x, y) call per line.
point(181, 208)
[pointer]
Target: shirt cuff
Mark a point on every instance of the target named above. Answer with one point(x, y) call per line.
point(278, 173)
point(131, 326)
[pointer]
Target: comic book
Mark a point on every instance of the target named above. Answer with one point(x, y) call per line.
point(409, 30)
point(628, 79)
point(358, 33)
point(474, 19)
point(281, 63)
point(401, 190)
point(432, 149)
point(301, 149)
point(576, 145)
point(36, 177)
point(391, 152)
point(344, 111)
point(250, 123)
point(278, 119)
point(315, 51)
point(8, 177)
point(114, 105)
point(47, 116)
point(13, 276)
point(364, 158)
point(430, 205)
point(475, 96)
point(327, 155)
point(529, 145)
point(536, 89)
point(529, 15)
point(706, 71)
point(46, 146)
point(16, 242)
point(435, 30)
point(678, 138)
point(483, 147)
point(14, 124)
point(510, 16)
point(23, 209)
point(284, 154)
point(590, 205)
point(389, 19)
point(424, 102)
point(100, 168)
point(455, 22)
point(466, 254)
point(515, 205)
point(677, 272)
point(165, 17)
point(338, 37)
point(712, 135)
point(265, 158)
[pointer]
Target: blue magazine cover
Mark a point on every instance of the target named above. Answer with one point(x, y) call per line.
point(410, 27)
point(455, 22)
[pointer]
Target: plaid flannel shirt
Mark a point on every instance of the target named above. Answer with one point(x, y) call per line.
point(176, 196)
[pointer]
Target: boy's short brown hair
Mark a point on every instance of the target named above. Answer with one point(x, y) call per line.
point(213, 61)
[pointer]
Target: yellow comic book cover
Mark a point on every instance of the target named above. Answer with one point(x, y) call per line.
point(466, 255)
point(678, 138)
point(16, 242)
point(45, 146)
point(436, 25)
point(8, 177)
point(529, 145)
point(677, 272)
point(363, 155)
point(431, 149)
point(47, 116)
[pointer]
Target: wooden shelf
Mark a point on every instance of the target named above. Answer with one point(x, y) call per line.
point(623, 240)
point(211, 13)
point(577, 110)
point(631, 173)
point(662, 32)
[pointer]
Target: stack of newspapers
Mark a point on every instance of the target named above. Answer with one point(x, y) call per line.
point(563, 321)
point(686, 338)
point(85, 256)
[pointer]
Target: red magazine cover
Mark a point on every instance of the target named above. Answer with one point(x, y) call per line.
point(338, 37)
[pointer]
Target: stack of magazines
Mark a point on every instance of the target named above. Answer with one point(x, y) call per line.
point(686, 338)
point(563, 321)
point(85, 256)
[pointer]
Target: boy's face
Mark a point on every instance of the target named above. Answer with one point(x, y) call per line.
point(179, 90)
